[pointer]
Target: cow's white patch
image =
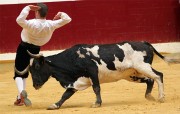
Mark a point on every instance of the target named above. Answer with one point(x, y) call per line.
point(144, 53)
point(80, 55)
point(94, 50)
point(88, 53)
point(31, 61)
point(82, 83)
point(105, 75)
point(69, 86)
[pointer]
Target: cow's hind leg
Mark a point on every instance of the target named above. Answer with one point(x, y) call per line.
point(153, 74)
point(67, 94)
point(159, 80)
point(150, 83)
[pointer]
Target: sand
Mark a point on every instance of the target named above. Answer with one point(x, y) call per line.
point(118, 97)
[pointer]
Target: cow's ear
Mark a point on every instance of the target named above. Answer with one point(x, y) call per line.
point(41, 60)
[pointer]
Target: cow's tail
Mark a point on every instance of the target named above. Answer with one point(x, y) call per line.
point(168, 59)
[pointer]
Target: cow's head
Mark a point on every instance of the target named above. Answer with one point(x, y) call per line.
point(39, 70)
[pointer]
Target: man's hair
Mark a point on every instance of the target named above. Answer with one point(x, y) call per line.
point(44, 9)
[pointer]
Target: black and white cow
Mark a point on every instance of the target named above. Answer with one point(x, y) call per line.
point(83, 65)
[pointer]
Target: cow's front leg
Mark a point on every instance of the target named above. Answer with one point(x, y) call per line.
point(97, 89)
point(67, 94)
point(98, 97)
point(95, 85)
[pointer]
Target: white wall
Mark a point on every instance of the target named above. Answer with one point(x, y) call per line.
point(173, 47)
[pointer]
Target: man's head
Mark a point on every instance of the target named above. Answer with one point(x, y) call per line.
point(42, 12)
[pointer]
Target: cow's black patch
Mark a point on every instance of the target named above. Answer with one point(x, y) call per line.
point(139, 79)
point(108, 52)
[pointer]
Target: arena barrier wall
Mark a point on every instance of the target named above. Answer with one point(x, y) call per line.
point(97, 21)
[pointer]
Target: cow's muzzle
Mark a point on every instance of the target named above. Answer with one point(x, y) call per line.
point(37, 86)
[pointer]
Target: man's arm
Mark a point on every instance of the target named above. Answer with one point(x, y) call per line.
point(21, 19)
point(61, 19)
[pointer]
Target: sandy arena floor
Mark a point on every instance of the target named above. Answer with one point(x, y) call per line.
point(120, 97)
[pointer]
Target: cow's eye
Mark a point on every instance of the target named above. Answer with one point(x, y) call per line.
point(37, 66)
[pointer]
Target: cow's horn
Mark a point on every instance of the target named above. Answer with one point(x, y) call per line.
point(22, 72)
point(34, 55)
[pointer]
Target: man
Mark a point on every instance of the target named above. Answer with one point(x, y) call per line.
point(36, 32)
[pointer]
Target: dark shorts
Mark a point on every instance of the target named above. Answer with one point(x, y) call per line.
point(22, 59)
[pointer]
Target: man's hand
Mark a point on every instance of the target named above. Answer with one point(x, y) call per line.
point(34, 8)
point(57, 16)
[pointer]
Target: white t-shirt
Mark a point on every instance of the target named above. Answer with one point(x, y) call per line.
point(39, 31)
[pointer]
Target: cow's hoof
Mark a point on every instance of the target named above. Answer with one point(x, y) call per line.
point(53, 107)
point(150, 97)
point(161, 100)
point(95, 105)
